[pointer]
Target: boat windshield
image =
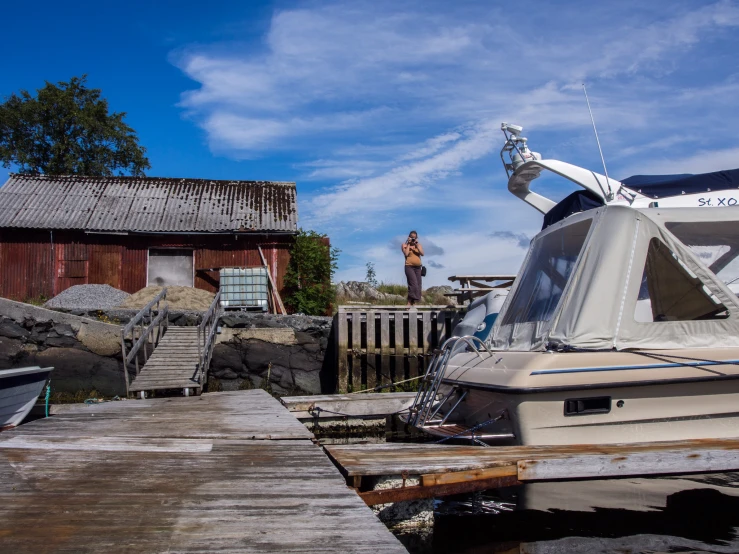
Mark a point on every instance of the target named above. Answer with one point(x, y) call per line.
point(715, 243)
point(547, 272)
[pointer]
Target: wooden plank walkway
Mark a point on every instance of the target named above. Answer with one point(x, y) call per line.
point(448, 469)
point(226, 472)
point(173, 364)
point(363, 406)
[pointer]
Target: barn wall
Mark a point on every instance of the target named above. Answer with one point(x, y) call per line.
point(40, 263)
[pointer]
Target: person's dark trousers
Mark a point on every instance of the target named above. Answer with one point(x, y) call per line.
point(413, 275)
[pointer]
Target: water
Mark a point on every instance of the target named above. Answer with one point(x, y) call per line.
point(678, 514)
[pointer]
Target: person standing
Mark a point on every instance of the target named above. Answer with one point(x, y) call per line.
point(413, 250)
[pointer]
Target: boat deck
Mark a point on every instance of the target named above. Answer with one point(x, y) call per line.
point(226, 472)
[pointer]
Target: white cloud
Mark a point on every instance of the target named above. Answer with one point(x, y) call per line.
point(390, 111)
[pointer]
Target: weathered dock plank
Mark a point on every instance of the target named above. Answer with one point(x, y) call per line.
point(541, 462)
point(178, 475)
point(365, 405)
point(445, 470)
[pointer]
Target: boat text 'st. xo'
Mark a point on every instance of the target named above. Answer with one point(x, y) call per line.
point(622, 325)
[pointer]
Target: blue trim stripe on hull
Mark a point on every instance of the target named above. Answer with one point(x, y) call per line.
point(631, 367)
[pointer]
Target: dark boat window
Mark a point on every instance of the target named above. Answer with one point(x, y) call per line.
point(587, 406)
point(671, 292)
point(549, 266)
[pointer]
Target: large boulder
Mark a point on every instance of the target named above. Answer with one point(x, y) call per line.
point(76, 370)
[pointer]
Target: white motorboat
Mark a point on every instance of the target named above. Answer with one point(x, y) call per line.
point(19, 390)
point(622, 325)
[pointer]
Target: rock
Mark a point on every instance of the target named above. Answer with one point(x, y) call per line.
point(63, 342)
point(308, 381)
point(286, 380)
point(64, 330)
point(275, 374)
point(225, 356)
point(11, 351)
point(38, 337)
point(303, 338)
point(11, 330)
point(304, 361)
point(259, 354)
point(104, 340)
point(225, 373)
point(79, 370)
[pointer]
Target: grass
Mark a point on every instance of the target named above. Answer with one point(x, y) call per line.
point(396, 289)
point(393, 288)
point(37, 300)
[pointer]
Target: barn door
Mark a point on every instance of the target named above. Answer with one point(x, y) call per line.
point(71, 265)
point(105, 265)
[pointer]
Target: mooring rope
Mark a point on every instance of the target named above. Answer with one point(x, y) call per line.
point(48, 396)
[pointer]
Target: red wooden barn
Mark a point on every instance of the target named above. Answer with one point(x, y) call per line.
point(130, 232)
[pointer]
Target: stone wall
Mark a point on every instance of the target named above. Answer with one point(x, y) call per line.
point(293, 354)
point(85, 353)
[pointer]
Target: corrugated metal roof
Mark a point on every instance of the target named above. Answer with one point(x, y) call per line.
point(147, 204)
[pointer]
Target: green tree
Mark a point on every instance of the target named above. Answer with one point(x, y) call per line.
point(66, 130)
point(309, 273)
point(371, 276)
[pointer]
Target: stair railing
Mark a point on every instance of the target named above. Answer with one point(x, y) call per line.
point(140, 335)
point(206, 338)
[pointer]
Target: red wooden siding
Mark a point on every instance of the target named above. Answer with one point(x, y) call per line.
point(31, 266)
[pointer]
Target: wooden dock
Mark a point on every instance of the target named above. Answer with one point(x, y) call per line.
point(226, 472)
point(446, 469)
point(360, 406)
point(377, 346)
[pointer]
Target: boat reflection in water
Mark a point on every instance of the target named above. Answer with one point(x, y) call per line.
point(698, 513)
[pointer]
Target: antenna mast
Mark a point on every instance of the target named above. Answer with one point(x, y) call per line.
point(602, 159)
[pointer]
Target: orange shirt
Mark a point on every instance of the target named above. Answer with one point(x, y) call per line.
point(413, 258)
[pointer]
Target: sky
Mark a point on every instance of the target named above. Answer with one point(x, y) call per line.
point(387, 113)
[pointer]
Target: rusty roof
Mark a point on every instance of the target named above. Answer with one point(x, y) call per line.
point(147, 204)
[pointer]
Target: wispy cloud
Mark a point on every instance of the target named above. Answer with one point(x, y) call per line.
point(520, 239)
point(390, 111)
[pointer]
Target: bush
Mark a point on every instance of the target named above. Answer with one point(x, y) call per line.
point(309, 273)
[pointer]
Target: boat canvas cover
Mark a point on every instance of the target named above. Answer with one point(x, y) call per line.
point(662, 186)
point(616, 277)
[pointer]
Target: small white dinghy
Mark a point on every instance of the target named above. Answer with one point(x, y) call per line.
point(19, 390)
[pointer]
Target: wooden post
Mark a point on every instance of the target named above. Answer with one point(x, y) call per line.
point(440, 327)
point(371, 357)
point(426, 335)
point(413, 343)
point(342, 347)
point(384, 348)
point(399, 346)
point(356, 351)
point(125, 364)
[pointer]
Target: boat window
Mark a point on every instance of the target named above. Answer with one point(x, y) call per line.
point(549, 266)
point(716, 244)
point(670, 291)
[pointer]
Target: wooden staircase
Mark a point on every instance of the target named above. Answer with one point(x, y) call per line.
point(174, 364)
point(173, 357)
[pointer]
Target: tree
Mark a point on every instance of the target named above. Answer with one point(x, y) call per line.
point(308, 277)
point(66, 130)
point(371, 276)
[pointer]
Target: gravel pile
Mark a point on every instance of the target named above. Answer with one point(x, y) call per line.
point(88, 296)
point(178, 298)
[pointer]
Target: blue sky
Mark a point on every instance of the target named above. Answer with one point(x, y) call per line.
point(387, 114)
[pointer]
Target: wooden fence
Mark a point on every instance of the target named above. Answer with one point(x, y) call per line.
point(382, 346)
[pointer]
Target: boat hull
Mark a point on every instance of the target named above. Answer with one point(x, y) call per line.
point(19, 390)
point(646, 413)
